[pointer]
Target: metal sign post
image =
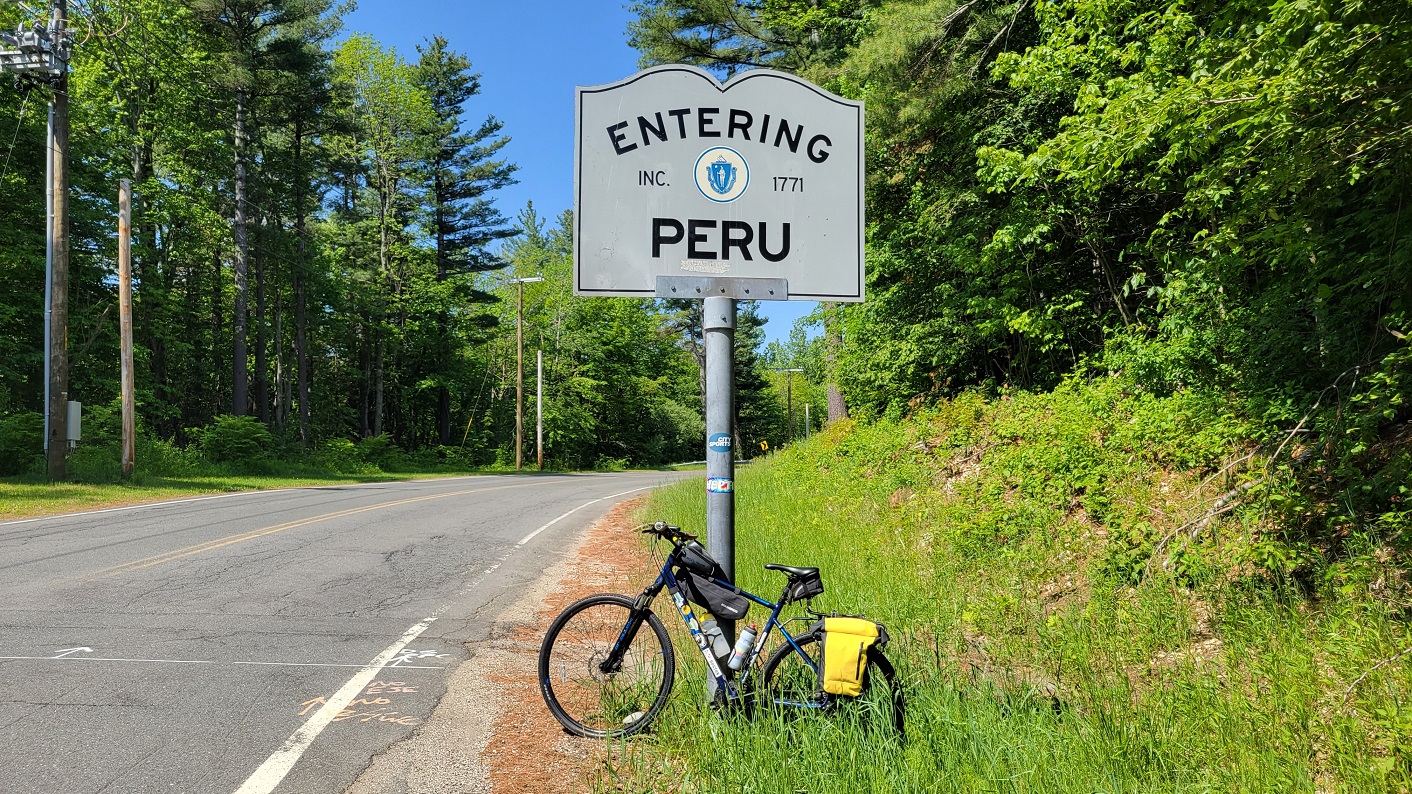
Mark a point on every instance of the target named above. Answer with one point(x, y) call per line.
point(718, 330)
point(686, 187)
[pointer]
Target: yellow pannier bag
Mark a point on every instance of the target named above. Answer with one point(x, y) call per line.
point(846, 644)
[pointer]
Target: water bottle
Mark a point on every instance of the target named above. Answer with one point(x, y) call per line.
point(719, 646)
point(743, 647)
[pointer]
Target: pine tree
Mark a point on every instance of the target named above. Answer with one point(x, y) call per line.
point(462, 175)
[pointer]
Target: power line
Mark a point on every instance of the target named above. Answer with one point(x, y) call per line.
point(24, 105)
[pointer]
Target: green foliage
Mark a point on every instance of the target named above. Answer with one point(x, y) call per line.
point(235, 439)
point(730, 35)
point(618, 388)
point(21, 442)
point(1008, 544)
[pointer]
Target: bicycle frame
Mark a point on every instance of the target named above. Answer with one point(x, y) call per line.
point(666, 579)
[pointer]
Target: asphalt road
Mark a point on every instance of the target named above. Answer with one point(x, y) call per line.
point(259, 642)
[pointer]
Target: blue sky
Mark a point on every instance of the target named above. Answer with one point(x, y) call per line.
point(530, 56)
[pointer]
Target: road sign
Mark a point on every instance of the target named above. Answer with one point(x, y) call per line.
point(680, 175)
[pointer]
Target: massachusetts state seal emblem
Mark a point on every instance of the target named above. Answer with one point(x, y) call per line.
point(722, 174)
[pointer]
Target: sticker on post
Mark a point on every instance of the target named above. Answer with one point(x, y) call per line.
point(719, 442)
point(718, 485)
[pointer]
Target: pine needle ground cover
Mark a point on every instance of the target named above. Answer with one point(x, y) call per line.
point(1078, 604)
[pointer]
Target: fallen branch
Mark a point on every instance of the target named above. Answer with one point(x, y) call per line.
point(1225, 503)
point(1003, 32)
point(1349, 692)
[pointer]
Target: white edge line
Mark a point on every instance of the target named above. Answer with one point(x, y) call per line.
point(269, 775)
point(208, 661)
point(531, 535)
point(331, 664)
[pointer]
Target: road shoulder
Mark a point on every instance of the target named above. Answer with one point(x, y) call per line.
point(491, 731)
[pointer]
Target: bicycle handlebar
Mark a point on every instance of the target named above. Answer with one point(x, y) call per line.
point(668, 532)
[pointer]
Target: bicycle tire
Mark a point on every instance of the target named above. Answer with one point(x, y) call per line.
point(587, 701)
point(788, 683)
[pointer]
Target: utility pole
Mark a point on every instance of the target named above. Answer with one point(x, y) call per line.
point(520, 365)
point(539, 408)
point(129, 399)
point(42, 54)
point(806, 421)
point(789, 398)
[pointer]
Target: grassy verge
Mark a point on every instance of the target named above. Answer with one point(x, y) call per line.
point(22, 499)
point(1055, 631)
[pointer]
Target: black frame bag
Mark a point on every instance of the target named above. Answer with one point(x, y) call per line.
point(722, 602)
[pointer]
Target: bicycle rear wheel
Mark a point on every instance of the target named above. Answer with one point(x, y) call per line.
point(593, 702)
point(791, 685)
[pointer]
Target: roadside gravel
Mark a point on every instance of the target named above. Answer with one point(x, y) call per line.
point(491, 732)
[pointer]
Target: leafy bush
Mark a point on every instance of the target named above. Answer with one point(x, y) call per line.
point(380, 452)
point(161, 459)
point(235, 439)
point(341, 456)
point(21, 442)
point(94, 463)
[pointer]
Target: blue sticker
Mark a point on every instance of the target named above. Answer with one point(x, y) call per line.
point(718, 485)
point(719, 442)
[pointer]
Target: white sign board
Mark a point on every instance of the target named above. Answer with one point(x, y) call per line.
point(679, 175)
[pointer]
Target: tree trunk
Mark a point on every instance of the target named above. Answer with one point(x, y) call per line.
point(443, 393)
point(365, 428)
point(385, 265)
point(216, 324)
point(833, 344)
point(281, 411)
point(378, 387)
point(301, 330)
point(262, 342)
point(1101, 263)
point(240, 397)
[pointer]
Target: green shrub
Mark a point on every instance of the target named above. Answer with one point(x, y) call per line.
point(235, 439)
point(94, 463)
point(21, 442)
point(341, 456)
point(380, 452)
point(609, 463)
point(159, 458)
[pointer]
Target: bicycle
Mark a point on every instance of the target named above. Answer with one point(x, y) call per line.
point(603, 676)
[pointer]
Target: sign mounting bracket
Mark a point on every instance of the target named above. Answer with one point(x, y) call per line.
point(746, 289)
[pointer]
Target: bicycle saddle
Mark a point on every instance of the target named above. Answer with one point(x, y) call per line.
point(792, 571)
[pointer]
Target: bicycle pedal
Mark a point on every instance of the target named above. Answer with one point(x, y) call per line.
point(632, 718)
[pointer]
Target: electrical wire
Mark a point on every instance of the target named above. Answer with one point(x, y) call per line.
point(19, 123)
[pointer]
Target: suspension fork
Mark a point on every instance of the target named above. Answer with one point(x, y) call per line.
point(641, 607)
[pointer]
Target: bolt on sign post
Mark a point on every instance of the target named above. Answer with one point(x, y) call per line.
point(686, 187)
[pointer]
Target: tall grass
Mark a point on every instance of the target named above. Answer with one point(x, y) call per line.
point(1005, 545)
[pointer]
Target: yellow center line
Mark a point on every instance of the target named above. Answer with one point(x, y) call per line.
point(211, 545)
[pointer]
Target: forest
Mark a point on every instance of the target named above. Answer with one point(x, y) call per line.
point(1130, 451)
point(319, 259)
point(1120, 443)
point(1198, 198)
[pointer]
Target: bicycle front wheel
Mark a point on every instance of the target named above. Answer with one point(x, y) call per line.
point(791, 685)
point(591, 698)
